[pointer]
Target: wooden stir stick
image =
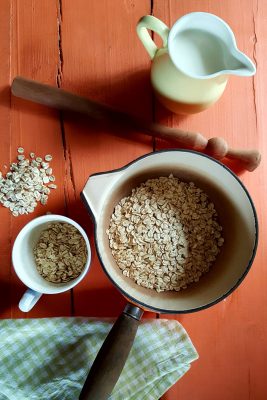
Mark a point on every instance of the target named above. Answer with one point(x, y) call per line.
point(62, 100)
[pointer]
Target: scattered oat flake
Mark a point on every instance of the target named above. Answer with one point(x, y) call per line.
point(52, 178)
point(49, 171)
point(24, 185)
point(20, 150)
point(39, 159)
point(52, 186)
point(45, 165)
point(48, 157)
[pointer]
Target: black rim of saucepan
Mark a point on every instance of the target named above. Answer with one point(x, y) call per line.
point(165, 311)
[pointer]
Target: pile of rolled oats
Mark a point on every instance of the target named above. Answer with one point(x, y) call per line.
point(165, 235)
point(25, 184)
point(60, 253)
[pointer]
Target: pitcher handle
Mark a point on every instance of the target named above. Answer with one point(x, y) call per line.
point(156, 25)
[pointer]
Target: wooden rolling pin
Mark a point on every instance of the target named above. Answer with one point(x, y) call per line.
point(62, 100)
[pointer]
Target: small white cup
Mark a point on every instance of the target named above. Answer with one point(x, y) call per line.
point(25, 266)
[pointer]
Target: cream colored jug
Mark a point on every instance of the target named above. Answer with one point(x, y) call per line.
point(190, 71)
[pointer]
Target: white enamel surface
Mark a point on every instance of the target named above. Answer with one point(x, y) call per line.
point(97, 188)
point(202, 46)
point(235, 212)
point(23, 259)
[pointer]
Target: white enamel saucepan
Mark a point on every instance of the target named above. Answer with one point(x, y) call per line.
point(237, 216)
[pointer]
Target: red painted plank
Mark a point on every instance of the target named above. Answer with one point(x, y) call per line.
point(34, 55)
point(5, 287)
point(104, 61)
point(231, 337)
point(91, 48)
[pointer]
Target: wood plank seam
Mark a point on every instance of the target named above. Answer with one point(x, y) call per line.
point(68, 166)
point(59, 77)
point(254, 55)
point(60, 49)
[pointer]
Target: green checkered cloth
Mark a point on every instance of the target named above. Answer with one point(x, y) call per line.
point(48, 359)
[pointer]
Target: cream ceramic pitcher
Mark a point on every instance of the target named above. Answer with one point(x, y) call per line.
point(190, 71)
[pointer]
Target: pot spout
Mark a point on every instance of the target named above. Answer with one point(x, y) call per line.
point(97, 189)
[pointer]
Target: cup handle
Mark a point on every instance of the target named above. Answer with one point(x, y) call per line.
point(156, 25)
point(28, 300)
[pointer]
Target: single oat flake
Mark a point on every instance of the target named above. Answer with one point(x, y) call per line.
point(24, 185)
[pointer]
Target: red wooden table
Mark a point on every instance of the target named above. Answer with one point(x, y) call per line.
point(91, 48)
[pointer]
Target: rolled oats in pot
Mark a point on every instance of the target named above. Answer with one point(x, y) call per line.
point(165, 235)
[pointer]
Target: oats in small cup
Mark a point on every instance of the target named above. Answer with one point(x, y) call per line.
point(60, 253)
point(57, 246)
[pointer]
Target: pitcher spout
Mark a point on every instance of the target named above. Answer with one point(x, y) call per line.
point(239, 64)
point(203, 46)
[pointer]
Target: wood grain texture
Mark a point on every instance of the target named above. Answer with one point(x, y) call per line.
point(34, 45)
point(91, 48)
point(231, 337)
point(5, 134)
point(101, 60)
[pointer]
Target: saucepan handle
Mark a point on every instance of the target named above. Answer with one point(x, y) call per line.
point(112, 356)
